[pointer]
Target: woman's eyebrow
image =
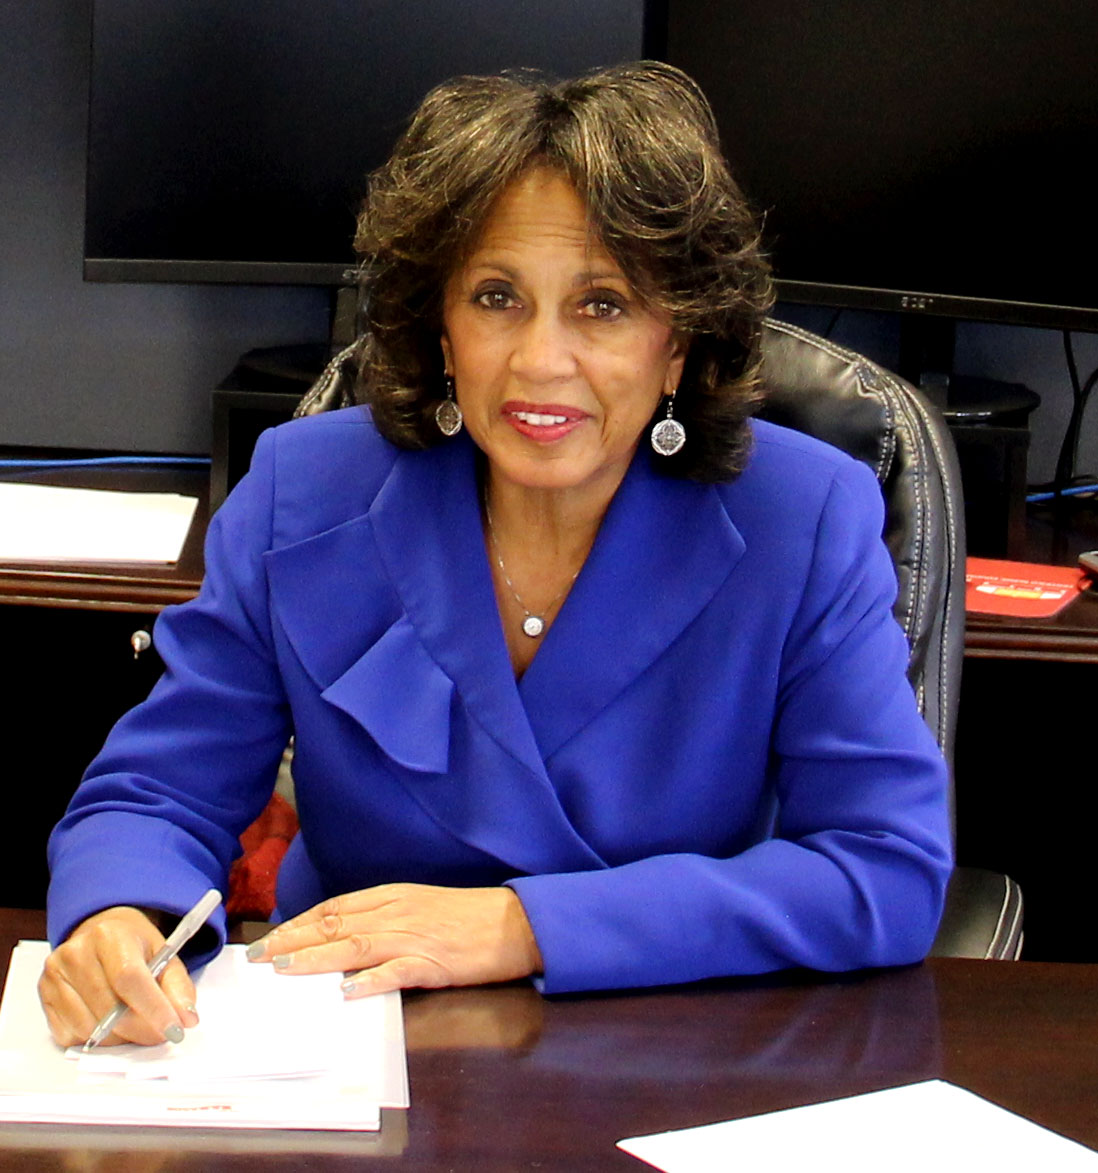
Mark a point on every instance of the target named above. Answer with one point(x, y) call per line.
point(581, 280)
point(496, 266)
point(593, 276)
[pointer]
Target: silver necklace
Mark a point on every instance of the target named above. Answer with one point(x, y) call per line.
point(533, 625)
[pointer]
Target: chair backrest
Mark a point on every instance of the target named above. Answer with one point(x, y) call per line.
point(841, 397)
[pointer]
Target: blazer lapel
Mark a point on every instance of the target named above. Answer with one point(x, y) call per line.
point(364, 659)
point(426, 522)
point(665, 547)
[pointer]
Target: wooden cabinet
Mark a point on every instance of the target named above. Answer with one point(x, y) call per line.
point(70, 672)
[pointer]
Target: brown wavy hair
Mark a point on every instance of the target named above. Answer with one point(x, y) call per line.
point(639, 144)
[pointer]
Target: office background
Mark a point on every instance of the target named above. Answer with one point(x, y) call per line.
point(132, 366)
point(93, 365)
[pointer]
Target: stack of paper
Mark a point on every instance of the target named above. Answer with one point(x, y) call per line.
point(41, 523)
point(271, 1051)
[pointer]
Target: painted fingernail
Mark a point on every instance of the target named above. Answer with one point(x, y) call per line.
point(282, 961)
point(191, 1009)
point(349, 986)
point(255, 950)
point(173, 1033)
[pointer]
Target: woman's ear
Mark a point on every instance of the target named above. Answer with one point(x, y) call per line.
point(680, 347)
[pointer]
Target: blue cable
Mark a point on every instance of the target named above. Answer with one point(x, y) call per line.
point(1074, 491)
point(89, 461)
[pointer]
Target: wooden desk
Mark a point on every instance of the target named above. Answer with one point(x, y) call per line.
point(1069, 637)
point(105, 587)
point(1025, 747)
point(66, 632)
point(503, 1080)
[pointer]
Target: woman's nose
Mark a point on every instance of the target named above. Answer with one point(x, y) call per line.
point(543, 349)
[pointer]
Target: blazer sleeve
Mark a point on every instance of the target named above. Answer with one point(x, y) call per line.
point(855, 871)
point(157, 818)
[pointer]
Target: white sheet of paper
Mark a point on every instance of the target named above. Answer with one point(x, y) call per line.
point(259, 1024)
point(43, 523)
point(271, 1051)
point(912, 1129)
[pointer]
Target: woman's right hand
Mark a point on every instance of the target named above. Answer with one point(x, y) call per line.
point(104, 961)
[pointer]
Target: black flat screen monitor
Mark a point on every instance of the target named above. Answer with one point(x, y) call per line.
point(229, 140)
point(928, 155)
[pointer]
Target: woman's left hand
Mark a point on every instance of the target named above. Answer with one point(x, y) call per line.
point(396, 936)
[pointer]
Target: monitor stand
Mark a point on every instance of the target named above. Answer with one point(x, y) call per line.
point(265, 387)
point(989, 422)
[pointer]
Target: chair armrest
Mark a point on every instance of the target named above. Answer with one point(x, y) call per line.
point(982, 918)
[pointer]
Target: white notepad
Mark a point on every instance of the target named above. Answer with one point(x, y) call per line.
point(931, 1127)
point(271, 1051)
point(43, 523)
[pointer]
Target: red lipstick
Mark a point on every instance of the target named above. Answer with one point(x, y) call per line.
point(543, 422)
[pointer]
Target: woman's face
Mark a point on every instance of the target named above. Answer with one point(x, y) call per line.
point(558, 364)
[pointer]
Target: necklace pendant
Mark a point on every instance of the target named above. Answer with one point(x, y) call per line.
point(533, 626)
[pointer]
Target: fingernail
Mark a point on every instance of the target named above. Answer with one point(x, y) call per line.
point(255, 950)
point(191, 1009)
point(282, 961)
point(349, 986)
point(173, 1033)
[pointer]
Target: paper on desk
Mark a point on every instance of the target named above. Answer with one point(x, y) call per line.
point(271, 1051)
point(922, 1126)
point(319, 1107)
point(258, 1024)
point(43, 523)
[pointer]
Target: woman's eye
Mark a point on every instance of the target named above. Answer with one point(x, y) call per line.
point(494, 299)
point(600, 306)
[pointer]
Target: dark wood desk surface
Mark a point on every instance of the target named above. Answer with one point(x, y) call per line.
point(103, 586)
point(1069, 636)
point(504, 1080)
point(1072, 635)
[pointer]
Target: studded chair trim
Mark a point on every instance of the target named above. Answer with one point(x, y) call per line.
point(833, 393)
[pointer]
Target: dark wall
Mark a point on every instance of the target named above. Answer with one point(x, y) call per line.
point(132, 366)
point(100, 366)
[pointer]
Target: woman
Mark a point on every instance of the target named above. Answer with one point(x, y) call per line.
point(578, 693)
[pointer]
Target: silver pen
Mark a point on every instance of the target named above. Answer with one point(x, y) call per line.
point(181, 934)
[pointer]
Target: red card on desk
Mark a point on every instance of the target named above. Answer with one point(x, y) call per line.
point(1029, 590)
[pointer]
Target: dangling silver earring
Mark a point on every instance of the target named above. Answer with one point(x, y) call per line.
point(448, 415)
point(668, 436)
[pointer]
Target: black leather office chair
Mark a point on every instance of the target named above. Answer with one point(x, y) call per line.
point(839, 396)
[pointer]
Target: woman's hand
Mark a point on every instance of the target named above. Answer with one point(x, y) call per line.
point(400, 935)
point(104, 961)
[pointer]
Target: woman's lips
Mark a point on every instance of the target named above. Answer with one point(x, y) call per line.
point(544, 422)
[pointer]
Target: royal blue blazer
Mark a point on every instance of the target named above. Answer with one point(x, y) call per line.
point(713, 766)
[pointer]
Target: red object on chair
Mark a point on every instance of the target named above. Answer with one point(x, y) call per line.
point(253, 876)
